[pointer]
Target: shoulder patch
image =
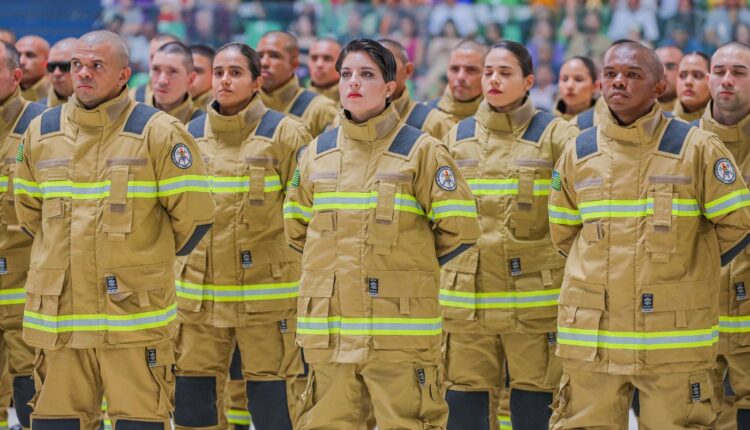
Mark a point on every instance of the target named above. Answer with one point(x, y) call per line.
point(51, 120)
point(446, 179)
point(139, 117)
point(303, 101)
point(32, 111)
point(586, 143)
point(268, 123)
point(405, 140)
point(536, 127)
point(466, 128)
point(556, 182)
point(19, 152)
point(585, 119)
point(418, 116)
point(674, 137)
point(140, 94)
point(327, 140)
point(181, 156)
point(197, 127)
point(724, 171)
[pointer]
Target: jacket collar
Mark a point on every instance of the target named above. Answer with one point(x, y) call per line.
point(373, 129)
point(505, 121)
point(739, 132)
point(247, 118)
point(280, 98)
point(454, 107)
point(183, 111)
point(403, 104)
point(11, 109)
point(679, 112)
point(332, 92)
point(640, 131)
point(102, 115)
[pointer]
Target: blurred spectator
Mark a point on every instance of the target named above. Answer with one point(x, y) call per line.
point(493, 32)
point(722, 19)
point(742, 33)
point(544, 91)
point(408, 36)
point(304, 29)
point(589, 41)
point(461, 14)
point(543, 47)
point(438, 55)
point(631, 14)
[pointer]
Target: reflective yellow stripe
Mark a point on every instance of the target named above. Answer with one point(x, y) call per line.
point(490, 187)
point(634, 208)
point(370, 326)
point(732, 324)
point(294, 210)
point(100, 190)
point(638, 340)
point(362, 201)
point(237, 293)
point(499, 300)
point(504, 422)
point(13, 296)
point(728, 203)
point(99, 322)
point(238, 416)
point(453, 208)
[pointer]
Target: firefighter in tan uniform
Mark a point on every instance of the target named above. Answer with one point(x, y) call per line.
point(111, 190)
point(499, 299)
point(647, 208)
point(279, 58)
point(578, 84)
point(16, 357)
point(142, 93)
point(463, 93)
point(670, 57)
point(728, 116)
point(58, 72)
point(200, 88)
point(693, 93)
point(324, 79)
point(418, 115)
point(171, 74)
point(34, 51)
point(241, 283)
point(376, 206)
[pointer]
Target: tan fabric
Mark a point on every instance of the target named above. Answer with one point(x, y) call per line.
point(598, 401)
point(402, 396)
point(455, 109)
point(119, 267)
point(148, 95)
point(437, 124)
point(137, 381)
point(600, 109)
point(53, 99)
point(37, 91)
point(561, 109)
point(668, 106)
point(184, 112)
point(319, 114)
point(236, 395)
point(367, 263)
point(331, 92)
point(629, 274)
point(736, 367)
point(680, 113)
point(6, 385)
point(202, 101)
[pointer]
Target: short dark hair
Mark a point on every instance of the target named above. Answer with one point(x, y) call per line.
point(13, 59)
point(180, 49)
point(656, 65)
point(396, 46)
point(380, 55)
point(520, 52)
point(203, 50)
point(253, 60)
point(587, 62)
point(704, 56)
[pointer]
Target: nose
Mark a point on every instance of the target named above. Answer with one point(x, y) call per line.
point(265, 60)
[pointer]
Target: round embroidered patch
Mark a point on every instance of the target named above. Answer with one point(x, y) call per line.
point(301, 151)
point(446, 179)
point(724, 171)
point(181, 156)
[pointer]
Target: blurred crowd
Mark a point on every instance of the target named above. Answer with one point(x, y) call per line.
point(553, 30)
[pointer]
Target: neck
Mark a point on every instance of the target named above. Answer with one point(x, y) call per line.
point(398, 93)
point(170, 106)
point(625, 118)
point(730, 118)
point(362, 117)
point(270, 90)
point(468, 100)
point(575, 109)
point(62, 96)
point(505, 109)
point(234, 110)
point(667, 98)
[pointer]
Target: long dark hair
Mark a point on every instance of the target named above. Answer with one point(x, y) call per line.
point(379, 54)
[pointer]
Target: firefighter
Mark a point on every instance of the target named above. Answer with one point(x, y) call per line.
point(375, 207)
point(647, 209)
point(58, 72)
point(578, 85)
point(670, 57)
point(279, 58)
point(693, 93)
point(324, 79)
point(200, 89)
point(172, 73)
point(142, 93)
point(499, 299)
point(16, 357)
point(34, 51)
point(111, 190)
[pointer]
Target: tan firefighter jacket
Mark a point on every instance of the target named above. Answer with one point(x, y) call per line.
point(110, 194)
point(591, 117)
point(37, 91)
point(15, 246)
point(332, 92)
point(511, 280)
point(679, 113)
point(315, 111)
point(185, 111)
point(52, 99)
point(243, 271)
point(429, 119)
point(376, 207)
point(202, 101)
point(646, 213)
point(455, 109)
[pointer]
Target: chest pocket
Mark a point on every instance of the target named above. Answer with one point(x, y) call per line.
point(383, 225)
point(255, 206)
point(661, 233)
point(524, 216)
point(8, 209)
point(118, 209)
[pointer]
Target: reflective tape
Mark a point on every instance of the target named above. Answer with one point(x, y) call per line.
point(453, 208)
point(13, 296)
point(99, 322)
point(3, 184)
point(634, 208)
point(504, 422)
point(562, 215)
point(729, 324)
point(499, 300)
point(728, 203)
point(237, 293)
point(370, 326)
point(100, 190)
point(499, 187)
point(238, 416)
point(362, 201)
point(637, 340)
point(294, 210)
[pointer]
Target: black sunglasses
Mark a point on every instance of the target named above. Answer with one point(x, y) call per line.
point(63, 65)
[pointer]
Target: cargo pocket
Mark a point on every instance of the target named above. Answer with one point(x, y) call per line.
point(118, 208)
point(536, 272)
point(582, 305)
point(404, 309)
point(313, 309)
point(39, 373)
point(458, 286)
point(679, 307)
point(702, 406)
point(160, 362)
point(321, 247)
point(254, 208)
point(661, 233)
point(190, 284)
point(43, 290)
point(382, 231)
point(139, 297)
point(433, 410)
point(524, 218)
point(739, 330)
point(279, 266)
point(561, 402)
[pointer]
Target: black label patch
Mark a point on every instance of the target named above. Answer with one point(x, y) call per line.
point(647, 303)
point(283, 326)
point(246, 259)
point(695, 392)
point(3, 266)
point(421, 377)
point(372, 286)
point(551, 338)
point(515, 266)
point(151, 357)
point(111, 284)
point(740, 292)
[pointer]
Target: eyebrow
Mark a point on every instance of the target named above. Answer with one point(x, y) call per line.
point(733, 66)
point(498, 67)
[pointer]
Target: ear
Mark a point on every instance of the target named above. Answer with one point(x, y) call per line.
point(409, 69)
point(660, 88)
point(124, 76)
point(17, 74)
point(191, 77)
point(390, 88)
point(528, 82)
point(257, 84)
point(295, 61)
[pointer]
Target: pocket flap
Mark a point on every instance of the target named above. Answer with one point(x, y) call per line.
point(679, 296)
point(401, 283)
point(316, 283)
point(532, 256)
point(269, 252)
point(582, 294)
point(16, 260)
point(139, 278)
point(45, 282)
point(466, 262)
